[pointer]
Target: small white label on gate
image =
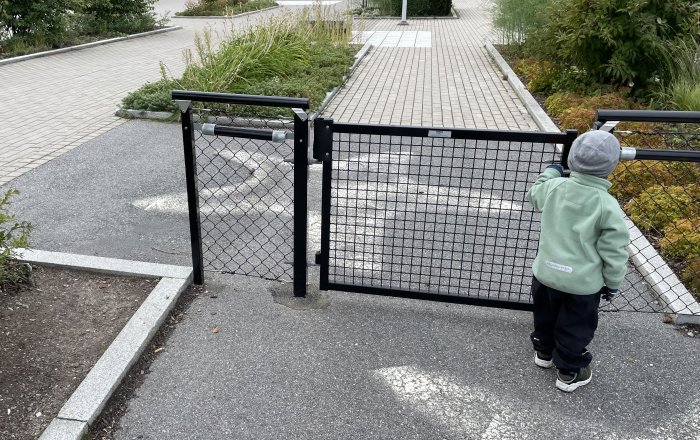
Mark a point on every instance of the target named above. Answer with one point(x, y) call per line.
point(440, 133)
point(559, 267)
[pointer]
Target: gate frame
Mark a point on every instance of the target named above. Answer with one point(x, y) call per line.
point(299, 106)
point(323, 151)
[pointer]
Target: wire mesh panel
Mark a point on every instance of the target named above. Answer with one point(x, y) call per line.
point(435, 214)
point(246, 198)
point(662, 200)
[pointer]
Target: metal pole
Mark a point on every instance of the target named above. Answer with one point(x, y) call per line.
point(301, 175)
point(192, 192)
point(404, 7)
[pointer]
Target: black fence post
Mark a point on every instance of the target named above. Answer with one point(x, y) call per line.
point(323, 146)
point(571, 136)
point(192, 191)
point(301, 177)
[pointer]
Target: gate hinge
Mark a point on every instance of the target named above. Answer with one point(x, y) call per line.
point(318, 258)
point(323, 139)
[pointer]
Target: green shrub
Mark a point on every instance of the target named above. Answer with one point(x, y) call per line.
point(660, 206)
point(631, 179)
point(13, 235)
point(681, 239)
point(615, 41)
point(558, 102)
point(152, 97)
point(541, 76)
point(691, 277)
point(579, 118)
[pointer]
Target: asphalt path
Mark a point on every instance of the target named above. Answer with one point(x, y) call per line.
point(347, 365)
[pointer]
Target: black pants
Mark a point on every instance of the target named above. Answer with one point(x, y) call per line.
point(564, 325)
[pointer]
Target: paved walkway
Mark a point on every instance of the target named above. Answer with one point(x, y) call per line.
point(56, 103)
point(430, 72)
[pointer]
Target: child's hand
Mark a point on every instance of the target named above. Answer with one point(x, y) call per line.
point(609, 294)
point(557, 167)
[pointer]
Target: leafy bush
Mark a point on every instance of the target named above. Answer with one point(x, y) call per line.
point(681, 239)
point(580, 118)
point(691, 276)
point(631, 179)
point(13, 235)
point(558, 102)
point(152, 97)
point(660, 206)
point(541, 76)
point(615, 41)
point(28, 26)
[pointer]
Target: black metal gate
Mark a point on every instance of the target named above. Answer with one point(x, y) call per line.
point(431, 213)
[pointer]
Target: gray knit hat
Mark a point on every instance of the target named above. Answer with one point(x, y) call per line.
point(595, 153)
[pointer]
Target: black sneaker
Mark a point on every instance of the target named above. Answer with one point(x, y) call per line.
point(543, 360)
point(568, 381)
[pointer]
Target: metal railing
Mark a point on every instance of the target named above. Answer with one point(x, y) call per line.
point(657, 185)
point(246, 185)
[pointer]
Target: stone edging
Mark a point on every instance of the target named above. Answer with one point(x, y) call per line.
point(663, 281)
point(86, 45)
point(540, 116)
point(87, 401)
point(454, 15)
point(219, 17)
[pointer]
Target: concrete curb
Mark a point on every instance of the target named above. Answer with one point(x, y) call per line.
point(219, 17)
point(454, 15)
point(540, 116)
point(87, 45)
point(85, 404)
point(663, 281)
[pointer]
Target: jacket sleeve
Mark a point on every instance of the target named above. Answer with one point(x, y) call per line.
point(537, 195)
point(611, 246)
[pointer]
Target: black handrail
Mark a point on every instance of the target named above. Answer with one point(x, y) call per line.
point(647, 116)
point(228, 98)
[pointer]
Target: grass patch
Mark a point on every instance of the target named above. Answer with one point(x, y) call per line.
point(224, 7)
point(295, 57)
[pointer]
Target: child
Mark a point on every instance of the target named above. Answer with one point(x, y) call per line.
point(581, 256)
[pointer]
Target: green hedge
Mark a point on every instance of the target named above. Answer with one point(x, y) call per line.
point(419, 8)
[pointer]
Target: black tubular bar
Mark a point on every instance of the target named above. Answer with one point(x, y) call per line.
point(248, 133)
point(227, 98)
point(301, 176)
point(604, 116)
point(571, 137)
point(192, 196)
point(323, 143)
point(512, 305)
point(668, 155)
point(437, 132)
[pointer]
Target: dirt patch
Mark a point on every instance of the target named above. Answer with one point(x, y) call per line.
point(51, 334)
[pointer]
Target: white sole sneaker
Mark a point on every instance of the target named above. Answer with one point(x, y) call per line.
point(543, 363)
point(570, 387)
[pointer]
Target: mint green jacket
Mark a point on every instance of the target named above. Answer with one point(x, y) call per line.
point(582, 236)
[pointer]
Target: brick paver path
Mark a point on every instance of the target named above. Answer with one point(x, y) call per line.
point(56, 103)
point(432, 72)
point(452, 83)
